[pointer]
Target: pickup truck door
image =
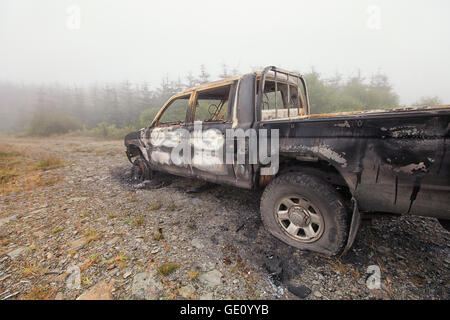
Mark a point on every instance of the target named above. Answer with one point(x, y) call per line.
point(166, 133)
point(212, 113)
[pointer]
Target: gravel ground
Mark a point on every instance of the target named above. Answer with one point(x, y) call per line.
point(181, 238)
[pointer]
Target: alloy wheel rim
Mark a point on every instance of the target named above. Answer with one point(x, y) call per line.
point(299, 218)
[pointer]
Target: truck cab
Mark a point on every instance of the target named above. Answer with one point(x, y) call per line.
point(239, 102)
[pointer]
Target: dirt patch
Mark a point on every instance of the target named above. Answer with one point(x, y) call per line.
point(181, 238)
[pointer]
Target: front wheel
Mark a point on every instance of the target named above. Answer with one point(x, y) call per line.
point(141, 170)
point(306, 212)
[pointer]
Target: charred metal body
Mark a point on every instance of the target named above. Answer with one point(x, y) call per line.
point(389, 161)
point(393, 162)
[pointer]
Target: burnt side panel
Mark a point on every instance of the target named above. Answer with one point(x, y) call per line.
point(393, 162)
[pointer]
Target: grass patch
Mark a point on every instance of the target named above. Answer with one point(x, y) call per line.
point(155, 206)
point(57, 230)
point(7, 175)
point(40, 293)
point(120, 260)
point(92, 259)
point(33, 247)
point(139, 221)
point(193, 275)
point(167, 268)
point(47, 181)
point(91, 236)
point(33, 270)
point(112, 215)
point(50, 163)
point(85, 281)
point(158, 235)
point(4, 154)
point(21, 170)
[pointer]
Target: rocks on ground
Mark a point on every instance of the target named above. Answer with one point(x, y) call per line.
point(210, 243)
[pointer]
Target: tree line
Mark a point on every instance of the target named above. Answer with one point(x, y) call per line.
point(55, 108)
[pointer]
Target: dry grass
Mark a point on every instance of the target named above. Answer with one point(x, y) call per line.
point(112, 215)
point(33, 270)
point(33, 247)
point(7, 175)
point(167, 268)
point(40, 293)
point(4, 242)
point(8, 154)
point(155, 206)
point(21, 170)
point(120, 261)
point(92, 260)
point(49, 163)
point(47, 181)
point(158, 235)
point(56, 230)
point(193, 275)
point(91, 236)
point(137, 222)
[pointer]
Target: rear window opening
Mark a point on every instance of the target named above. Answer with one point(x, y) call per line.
point(282, 97)
point(280, 101)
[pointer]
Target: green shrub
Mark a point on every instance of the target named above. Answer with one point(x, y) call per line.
point(109, 131)
point(146, 117)
point(52, 122)
point(105, 131)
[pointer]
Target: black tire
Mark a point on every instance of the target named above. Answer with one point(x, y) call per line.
point(318, 196)
point(445, 224)
point(141, 170)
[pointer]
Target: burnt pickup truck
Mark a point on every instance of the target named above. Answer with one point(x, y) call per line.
point(321, 173)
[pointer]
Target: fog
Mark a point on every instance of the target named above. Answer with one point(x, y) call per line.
point(43, 41)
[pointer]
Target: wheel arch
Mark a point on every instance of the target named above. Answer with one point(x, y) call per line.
point(319, 166)
point(134, 150)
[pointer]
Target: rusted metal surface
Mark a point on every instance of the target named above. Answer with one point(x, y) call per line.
point(264, 180)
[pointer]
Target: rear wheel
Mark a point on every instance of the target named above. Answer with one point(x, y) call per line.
point(306, 212)
point(140, 170)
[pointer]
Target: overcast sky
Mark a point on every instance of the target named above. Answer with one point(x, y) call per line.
point(43, 41)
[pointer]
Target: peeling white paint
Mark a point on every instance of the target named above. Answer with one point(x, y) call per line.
point(328, 153)
point(207, 162)
point(411, 168)
point(344, 124)
point(403, 131)
point(166, 137)
point(160, 157)
point(209, 140)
